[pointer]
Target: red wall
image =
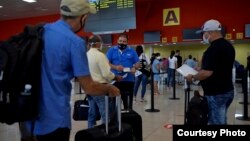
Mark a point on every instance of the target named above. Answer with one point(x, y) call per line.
point(10, 27)
point(149, 13)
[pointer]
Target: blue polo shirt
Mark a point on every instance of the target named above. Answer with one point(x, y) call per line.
point(64, 56)
point(127, 58)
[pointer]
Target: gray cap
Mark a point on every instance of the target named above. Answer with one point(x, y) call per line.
point(210, 25)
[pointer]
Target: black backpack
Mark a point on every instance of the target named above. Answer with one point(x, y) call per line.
point(197, 113)
point(20, 72)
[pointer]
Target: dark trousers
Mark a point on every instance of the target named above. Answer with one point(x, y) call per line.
point(126, 88)
point(60, 134)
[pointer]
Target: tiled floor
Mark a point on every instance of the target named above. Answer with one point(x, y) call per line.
point(171, 112)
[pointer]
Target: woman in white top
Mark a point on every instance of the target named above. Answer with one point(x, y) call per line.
point(171, 69)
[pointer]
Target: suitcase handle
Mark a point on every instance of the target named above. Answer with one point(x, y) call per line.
point(118, 108)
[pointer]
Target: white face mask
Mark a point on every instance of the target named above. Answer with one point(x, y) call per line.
point(206, 40)
point(101, 47)
point(91, 45)
point(159, 57)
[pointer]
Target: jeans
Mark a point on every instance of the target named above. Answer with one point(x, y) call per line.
point(171, 77)
point(141, 79)
point(218, 106)
point(97, 104)
point(26, 130)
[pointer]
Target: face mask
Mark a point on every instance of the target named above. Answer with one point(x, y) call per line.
point(205, 40)
point(82, 25)
point(159, 57)
point(122, 46)
point(100, 47)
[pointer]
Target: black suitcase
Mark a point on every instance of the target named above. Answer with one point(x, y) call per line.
point(196, 109)
point(197, 112)
point(132, 118)
point(107, 132)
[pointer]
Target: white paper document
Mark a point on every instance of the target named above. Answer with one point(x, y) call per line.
point(126, 70)
point(124, 76)
point(185, 70)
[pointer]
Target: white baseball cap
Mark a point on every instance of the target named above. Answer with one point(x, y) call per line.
point(76, 7)
point(210, 25)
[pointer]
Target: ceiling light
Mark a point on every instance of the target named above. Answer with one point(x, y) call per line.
point(109, 32)
point(29, 1)
point(1, 6)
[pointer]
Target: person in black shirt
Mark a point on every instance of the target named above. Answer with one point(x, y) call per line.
point(179, 58)
point(216, 72)
point(179, 77)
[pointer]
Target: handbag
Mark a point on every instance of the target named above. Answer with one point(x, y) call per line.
point(145, 67)
point(81, 110)
point(146, 72)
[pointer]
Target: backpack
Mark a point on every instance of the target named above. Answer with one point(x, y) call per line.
point(197, 110)
point(20, 72)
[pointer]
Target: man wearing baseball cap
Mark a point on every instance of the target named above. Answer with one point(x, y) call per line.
point(216, 72)
point(64, 58)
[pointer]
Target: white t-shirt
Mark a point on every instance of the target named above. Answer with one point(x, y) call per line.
point(172, 62)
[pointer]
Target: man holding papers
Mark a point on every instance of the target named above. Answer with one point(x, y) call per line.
point(216, 72)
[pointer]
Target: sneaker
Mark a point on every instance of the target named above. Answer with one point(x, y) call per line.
point(156, 93)
point(143, 100)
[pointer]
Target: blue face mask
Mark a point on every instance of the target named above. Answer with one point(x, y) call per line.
point(122, 46)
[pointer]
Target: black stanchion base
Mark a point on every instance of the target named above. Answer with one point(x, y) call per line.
point(174, 98)
point(243, 103)
point(243, 118)
point(152, 110)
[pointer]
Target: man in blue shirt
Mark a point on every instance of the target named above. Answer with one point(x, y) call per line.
point(124, 61)
point(63, 58)
point(190, 62)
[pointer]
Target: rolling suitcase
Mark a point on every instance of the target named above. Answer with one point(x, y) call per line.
point(132, 118)
point(109, 131)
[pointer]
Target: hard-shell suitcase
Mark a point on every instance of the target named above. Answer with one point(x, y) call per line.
point(132, 118)
point(109, 131)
